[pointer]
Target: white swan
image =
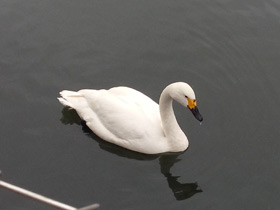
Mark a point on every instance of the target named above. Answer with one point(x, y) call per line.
point(132, 120)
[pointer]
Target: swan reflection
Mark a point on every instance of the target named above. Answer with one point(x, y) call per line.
point(181, 191)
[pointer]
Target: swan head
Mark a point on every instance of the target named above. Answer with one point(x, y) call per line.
point(184, 94)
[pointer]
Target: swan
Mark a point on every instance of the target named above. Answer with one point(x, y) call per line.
point(130, 119)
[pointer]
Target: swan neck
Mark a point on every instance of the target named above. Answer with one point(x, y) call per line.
point(171, 129)
point(166, 109)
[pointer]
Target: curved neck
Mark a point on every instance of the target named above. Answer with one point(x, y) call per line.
point(170, 125)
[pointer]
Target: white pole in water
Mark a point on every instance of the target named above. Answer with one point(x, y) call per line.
point(43, 198)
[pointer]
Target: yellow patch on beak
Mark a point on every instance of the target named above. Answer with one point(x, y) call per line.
point(191, 103)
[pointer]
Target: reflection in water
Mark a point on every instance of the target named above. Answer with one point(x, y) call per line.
point(181, 191)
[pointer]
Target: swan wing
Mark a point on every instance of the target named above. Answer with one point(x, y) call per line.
point(119, 115)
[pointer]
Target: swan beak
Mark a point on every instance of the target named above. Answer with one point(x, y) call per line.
point(192, 106)
point(196, 113)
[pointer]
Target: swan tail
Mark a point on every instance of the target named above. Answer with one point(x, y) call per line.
point(69, 98)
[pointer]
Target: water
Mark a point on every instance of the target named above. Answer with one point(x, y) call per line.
point(228, 51)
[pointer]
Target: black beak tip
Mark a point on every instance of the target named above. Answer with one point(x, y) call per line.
point(200, 118)
point(196, 114)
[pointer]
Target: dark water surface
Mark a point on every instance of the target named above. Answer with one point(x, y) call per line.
point(228, 51)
